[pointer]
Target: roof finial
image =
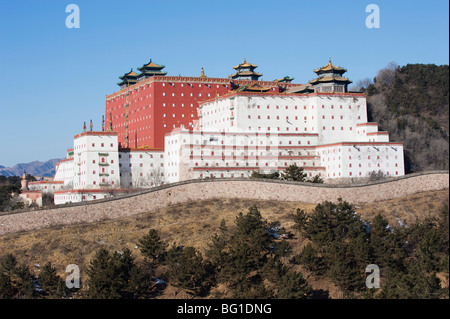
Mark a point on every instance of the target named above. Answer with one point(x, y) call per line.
point(203, 74)
point(245, 61)
point(329, 60)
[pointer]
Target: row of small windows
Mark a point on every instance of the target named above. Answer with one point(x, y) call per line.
point(200, 85)
point(182, 94)
point(232, 175)
point(247, 164)
point(142, 156)
point(173, 115)
point(140, 165)
point(356, 174)
point(305, 129)
point(359, 158)
point(304, 118)
point(304, 107)
point(93, 145)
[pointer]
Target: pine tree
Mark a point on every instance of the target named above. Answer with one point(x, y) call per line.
point(309, 259)
point(216, 252)
point(23, 282)
point(300, 219)
point(248, 247)
point(50, 282)
point(187, 269)
point(292, 285)
point(152, 247)
point(381, 241)
point(101, 283)
point(6, 287)
point(294, 173)
point(8, 264)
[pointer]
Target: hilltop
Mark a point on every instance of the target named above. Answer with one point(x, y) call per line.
point(193, 224)
point(412, 103)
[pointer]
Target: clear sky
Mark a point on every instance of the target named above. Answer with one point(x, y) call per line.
point(54, 78)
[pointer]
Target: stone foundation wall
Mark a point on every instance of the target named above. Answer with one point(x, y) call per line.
point(221, 188)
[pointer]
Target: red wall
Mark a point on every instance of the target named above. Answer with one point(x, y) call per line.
point(146, 109)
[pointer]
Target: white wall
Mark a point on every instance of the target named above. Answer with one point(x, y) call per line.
point(96, 161)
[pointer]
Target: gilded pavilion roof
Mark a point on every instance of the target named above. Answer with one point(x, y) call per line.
point(330, 67)
point(152, 65)
point(330, 78)
point(246, 73)
point(245, 64)
point(129, 74)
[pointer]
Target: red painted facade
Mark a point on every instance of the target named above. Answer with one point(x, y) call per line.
point(159, 104)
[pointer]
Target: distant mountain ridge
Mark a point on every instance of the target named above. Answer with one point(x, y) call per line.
point(35, 168)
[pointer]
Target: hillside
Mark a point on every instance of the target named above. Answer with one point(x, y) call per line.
point(412, 103)
point(35, 168)
point(193, 224)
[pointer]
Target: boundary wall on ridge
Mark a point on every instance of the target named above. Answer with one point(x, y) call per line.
point(206, 189)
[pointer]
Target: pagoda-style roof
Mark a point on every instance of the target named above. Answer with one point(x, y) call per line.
point(285, 79)
point(151, 69)
point(245, 73)
point(253, 87)
point(331, 78)
point(305, 88)
point(129, 75)
point(330, 68)
point(151, 66)
point(128, 78)
point(245, 65)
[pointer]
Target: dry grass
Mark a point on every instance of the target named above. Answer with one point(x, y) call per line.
point(189, 224)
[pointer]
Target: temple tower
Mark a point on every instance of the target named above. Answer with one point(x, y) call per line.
point(128, 79)
point(245, 71)
point(330, 79)
point(150, 69)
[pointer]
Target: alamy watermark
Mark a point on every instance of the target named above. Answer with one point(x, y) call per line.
point(73, 280)
point(73, 19)
point(373, 19)
point(373, 279)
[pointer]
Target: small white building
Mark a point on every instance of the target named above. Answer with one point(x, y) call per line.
point(97, 168)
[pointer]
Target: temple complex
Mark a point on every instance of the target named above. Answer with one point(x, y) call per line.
point(162, 129)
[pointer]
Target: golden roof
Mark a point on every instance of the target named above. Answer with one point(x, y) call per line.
point(330, 78)
point(245, 64)
point(301, 89)
point(153, 65)
point(330, 67)
point(132, 73)
point(246, 73)
point(254, 87)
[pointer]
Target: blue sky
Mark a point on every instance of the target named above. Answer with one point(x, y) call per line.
point(55, 78)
